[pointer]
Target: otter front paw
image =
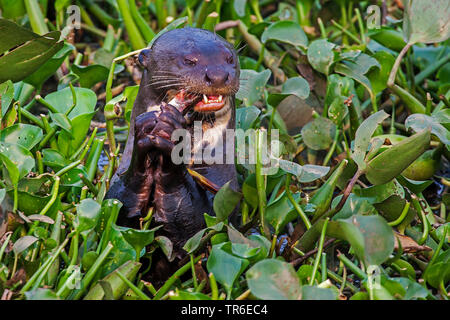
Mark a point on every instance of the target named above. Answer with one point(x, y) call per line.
point(154, 132)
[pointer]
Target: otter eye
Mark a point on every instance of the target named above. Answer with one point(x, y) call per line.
point(230, 60)
point(190, 61)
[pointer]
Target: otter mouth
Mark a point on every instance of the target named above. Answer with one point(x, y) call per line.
point(202, 103)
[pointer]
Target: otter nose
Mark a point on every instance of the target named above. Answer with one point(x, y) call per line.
point(216, 77)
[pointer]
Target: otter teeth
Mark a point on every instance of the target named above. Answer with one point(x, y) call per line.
point(207, 100)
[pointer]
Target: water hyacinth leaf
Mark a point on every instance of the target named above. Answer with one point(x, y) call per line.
point(26, 135)
point(17, 156)
point(225, 267)
point(379, 76)
point(166, 246)
point(23, 243)
point(45, 71)
point(54, 159)
point(426, 21)
point(379, 193)
point(337, 111)
point(311, 172)
point(414, 291)
point(391, 39)
point(72, 177)
point(321, 55)
point(316, 293)
point(390, 163)
point(13, 35)
point(69, 142)
point(239, 7)
point(61, 120)
point(297, 86)
point(41, 218)
point(353, 205)
point(138, 239)
point(130, 93)
point(88, 214)
point(287, 32)
point(62, 101)
point(273, 279)
point(192, 244)
point(90, 75)
point(370, 236)
point(252, 88)
point(319, 133)
point(41, 293)
point(419, 122)
point(246, 116)
point(225, 201)
point(363, 135)
point(121, 253)
point(7, 95)
point(357, 67)
point(281, 212)
point(22, 61)
point(129, 269)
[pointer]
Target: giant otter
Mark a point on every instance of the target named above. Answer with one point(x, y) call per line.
point(203, 69)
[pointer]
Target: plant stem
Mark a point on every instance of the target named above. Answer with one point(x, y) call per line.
point(319, 251)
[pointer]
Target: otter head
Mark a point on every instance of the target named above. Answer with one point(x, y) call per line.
point(197, 61)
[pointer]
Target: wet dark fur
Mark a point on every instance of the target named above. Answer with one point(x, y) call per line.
point(198, 61)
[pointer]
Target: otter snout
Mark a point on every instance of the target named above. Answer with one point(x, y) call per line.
point(217, 77)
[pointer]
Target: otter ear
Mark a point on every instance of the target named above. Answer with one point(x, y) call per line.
point(144, 57)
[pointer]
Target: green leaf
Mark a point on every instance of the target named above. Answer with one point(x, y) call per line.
point(321, 55)
point(246, 116)
point(88, 214)
point(239, 7)
point(61, 120)
point(319, 133)
point(390, 163)
point(426, 21)
point(371, 237)
point(363, 135)
point(138, 239)
point(13, 35)
point(252, 88)
point(285, 31)
point(281, 212)
point(192, 244)
point(297, 86)
point(25, 135)
point(419, 122)
point(93, 74)
point(15, 157)
point(357, 67)
point(225, 267)
point(23, 243)
point(54, 159)
point(273, 279)
point(316, 293)
point(40, 293)
point(62, 101)
point(22, 61)
point(379, 76)
point(225, 201)
point(46, 70)
point(379, 193)
point(6, 95)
